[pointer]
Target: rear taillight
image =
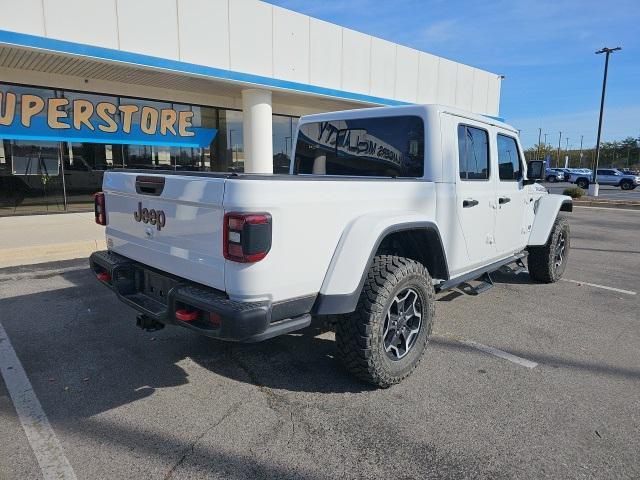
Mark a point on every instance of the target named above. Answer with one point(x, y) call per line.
point(247, 236)
point(98, 208)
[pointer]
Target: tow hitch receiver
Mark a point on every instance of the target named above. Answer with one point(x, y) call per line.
point(148, 324)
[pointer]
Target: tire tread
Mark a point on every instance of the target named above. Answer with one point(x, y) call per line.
point(355, 333)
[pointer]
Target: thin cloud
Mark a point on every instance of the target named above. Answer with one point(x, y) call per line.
point(441, 31)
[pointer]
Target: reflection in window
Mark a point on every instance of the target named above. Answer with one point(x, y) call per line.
point(509, 164)
point(230, 144)
point(34, 177)
point(381, 147)
point(473, 153)
point(282, 143)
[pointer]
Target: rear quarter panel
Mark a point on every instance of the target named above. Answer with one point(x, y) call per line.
point(309, 219)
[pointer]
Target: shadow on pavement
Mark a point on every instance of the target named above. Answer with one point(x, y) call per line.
point(512, 279)
point(81, 340)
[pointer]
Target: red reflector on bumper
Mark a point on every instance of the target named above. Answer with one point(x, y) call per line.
point(186, 316)
point(104, 277)
point(214, 318)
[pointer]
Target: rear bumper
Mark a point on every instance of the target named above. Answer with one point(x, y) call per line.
point(234, 321)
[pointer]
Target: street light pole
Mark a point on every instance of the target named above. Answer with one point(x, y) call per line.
point(538, 150)
point(567, 149)
point(558, 159)
point(581, 138)
point(593, 186)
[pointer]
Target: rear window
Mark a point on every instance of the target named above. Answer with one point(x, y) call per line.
point(369, 147)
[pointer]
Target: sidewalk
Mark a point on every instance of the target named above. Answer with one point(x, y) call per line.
point(46, 238)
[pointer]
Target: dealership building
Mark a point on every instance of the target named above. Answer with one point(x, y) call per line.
point(187, 85)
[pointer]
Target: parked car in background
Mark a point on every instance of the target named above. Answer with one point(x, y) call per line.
point(568, 172)
point(607, 176)
point(574, 172)
point(554, 175)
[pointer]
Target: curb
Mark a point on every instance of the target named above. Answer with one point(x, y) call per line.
point(15, 257)
point(607, 204)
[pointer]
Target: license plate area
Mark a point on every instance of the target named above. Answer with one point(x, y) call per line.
point(156, 286)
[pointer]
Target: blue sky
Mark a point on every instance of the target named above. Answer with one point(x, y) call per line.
point(544, 48)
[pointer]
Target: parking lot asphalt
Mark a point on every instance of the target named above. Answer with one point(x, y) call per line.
point(608, 192)
point(124, 403)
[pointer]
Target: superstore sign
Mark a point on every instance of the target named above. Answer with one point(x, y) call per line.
point(31, 117)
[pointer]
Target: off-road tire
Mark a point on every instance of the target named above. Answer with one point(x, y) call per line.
point(542, 259)
point(359, 335)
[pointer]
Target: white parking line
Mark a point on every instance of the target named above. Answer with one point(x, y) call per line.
point(499, 353)
point(41, 437)
point(620, 290)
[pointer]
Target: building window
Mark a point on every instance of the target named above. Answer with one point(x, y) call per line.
point(282, 143)
point(31, 171)
point(473, 153)
point(230, 143)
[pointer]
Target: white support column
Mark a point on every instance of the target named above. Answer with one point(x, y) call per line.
point(257, 123)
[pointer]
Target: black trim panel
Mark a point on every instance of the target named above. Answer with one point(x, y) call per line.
point(567, 206)
point(454, 282)
point(239, 321)
point(346, 303)
point(271, 176)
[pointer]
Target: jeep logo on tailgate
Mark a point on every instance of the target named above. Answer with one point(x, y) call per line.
point(154, 217)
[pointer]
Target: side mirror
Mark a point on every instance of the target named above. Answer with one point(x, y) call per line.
point(535, 171)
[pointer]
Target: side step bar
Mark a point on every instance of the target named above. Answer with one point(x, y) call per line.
point(482, 274)
point(486, 284)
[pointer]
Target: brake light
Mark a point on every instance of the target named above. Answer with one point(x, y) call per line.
point(246, 236)
point(99, 209)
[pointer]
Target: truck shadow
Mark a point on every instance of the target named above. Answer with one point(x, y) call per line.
point(84, 354)
point(510, 277)
point(304, 361)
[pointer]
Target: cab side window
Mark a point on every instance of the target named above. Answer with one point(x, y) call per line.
point(473, 153)
point(509, 163)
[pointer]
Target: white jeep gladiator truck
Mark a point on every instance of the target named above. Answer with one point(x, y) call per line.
point(382, 209)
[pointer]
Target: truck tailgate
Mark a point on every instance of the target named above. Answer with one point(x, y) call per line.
point(172, 222)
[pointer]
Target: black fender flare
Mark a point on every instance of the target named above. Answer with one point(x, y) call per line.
point(346, 303)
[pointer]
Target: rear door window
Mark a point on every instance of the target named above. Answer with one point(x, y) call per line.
point(509, 164)
point(473, 153)
point(368, 147)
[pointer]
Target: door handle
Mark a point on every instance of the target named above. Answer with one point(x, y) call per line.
point(469, 203)
point(503, 200)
